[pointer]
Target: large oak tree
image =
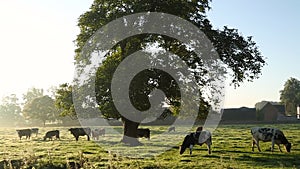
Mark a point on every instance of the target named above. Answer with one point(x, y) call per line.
point(240, 55)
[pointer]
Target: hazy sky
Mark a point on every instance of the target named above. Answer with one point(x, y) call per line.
point(37, 48)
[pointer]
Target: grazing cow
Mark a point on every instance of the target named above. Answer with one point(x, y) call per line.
point(51, 134)
point(199, 129)
point(269, 134)
point(196, 138)
point(98, 132)
point(172, 128)
point(143, 133)
point(24, 132)
point(34, 131)
point(80, 132)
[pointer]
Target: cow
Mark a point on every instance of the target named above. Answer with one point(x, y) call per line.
point(172, 128)
point(143, 133)
point(76, 132)
point(24, 132)
point(98, 132)
point(269, 134)
point(51, 134)
point(34, 131)
point(196, 138)
point(199, 129)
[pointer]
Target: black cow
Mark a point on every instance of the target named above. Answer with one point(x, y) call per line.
point(199, 129)
point(34, 131)
point(80, 132)
point(172, 128)
point(51, 134)
point(24, 132)
point(196, 138)
point(143, 133)
point(269, 134)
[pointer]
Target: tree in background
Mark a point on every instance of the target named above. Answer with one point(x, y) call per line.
point(31, 94)
point(239, 54)
point(64, 100)
point(41, 108)
point(10, 111)
point(290, 95)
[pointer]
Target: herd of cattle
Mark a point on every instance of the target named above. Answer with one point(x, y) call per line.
point(199, 137)
point(76, 132)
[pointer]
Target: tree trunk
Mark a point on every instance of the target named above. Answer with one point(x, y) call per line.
point(130, 132)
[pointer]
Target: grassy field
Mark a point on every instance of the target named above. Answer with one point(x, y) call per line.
point(231, 149)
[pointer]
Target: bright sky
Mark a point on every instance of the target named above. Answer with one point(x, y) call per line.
point(37, 49)
point(275, 27)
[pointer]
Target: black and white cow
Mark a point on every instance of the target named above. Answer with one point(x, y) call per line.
point(76, 132)
point(269, 134)
point(203, 137)
point(143, 133)
point(51, 134)
point(24, 132)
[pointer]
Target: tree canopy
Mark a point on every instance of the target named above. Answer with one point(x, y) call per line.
point(41, 108)
point(290, 95)
point(239, 54)
point(32, 93)
point(10, 111)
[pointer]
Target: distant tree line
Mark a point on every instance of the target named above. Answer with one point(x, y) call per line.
point(35, 108)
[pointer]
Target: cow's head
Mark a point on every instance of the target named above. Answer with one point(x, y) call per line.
point(186, 143)
point(288, 147)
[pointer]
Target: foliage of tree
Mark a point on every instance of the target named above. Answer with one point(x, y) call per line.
point(41, 108)
point(240, 54)
point(64, 100)
point(10, 111)
point(31, 94)
point(290, 95)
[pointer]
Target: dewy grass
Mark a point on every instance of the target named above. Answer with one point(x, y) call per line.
point(231, 148)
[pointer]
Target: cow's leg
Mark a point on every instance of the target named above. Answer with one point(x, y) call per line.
point(191, 148)
point(253, 143)
point(209, 148)
point(273, 142)
point(258, 147)
point(88, 137)
point(279, 147)
point(76, 138)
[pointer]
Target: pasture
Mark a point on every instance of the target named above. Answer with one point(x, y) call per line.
point(231, 148)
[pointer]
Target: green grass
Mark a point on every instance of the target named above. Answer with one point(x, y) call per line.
point(231, 149)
